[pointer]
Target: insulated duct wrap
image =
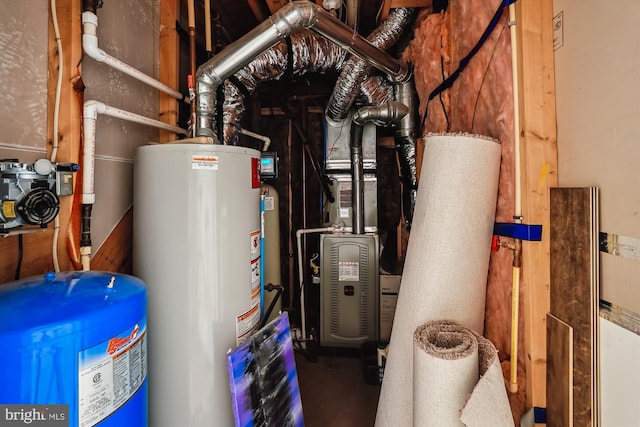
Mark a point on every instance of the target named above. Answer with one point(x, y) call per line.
point(309, 53)
point(355, 69)
point(445, 271)
point(457, 379)
point(376, 90)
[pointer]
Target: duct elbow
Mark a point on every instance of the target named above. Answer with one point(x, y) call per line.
point(404, 74)
point(90, 37)
point(294, 15)
point(388, 112)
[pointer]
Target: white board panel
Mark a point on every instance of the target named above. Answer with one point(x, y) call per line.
point(619, 376)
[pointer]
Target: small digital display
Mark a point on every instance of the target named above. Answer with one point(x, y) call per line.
point(269, 165)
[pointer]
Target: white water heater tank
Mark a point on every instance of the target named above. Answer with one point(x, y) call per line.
point(197, 246)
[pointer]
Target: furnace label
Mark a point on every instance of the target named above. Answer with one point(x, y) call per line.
point(349, 271)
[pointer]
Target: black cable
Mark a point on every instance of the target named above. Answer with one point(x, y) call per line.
point(484, 76)
point(444, 110)
point(20, 250)
point(271, 287)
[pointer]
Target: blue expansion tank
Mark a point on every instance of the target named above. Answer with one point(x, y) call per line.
point(76, 338)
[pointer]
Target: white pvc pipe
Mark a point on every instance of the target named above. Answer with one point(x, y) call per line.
point(299, 234)
point(90, 46)
point(265, 139)
point(90, 116)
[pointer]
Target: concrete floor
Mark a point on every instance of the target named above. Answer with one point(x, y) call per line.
point(334, 392)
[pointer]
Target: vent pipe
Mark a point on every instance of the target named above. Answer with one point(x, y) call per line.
point(356, 69)
point(293, 16)
point(406, 136)
point(383, 115)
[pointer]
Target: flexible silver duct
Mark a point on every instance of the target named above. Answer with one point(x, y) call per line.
point(376, 90)
point(385, 114)
point(355, 69)
point(293, 16)
point(308, 53)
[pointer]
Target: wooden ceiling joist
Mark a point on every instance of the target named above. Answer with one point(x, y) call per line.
point(392, 4)
point(257, 10)
point(275, 5)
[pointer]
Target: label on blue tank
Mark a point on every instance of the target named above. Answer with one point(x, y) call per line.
point(110, 373)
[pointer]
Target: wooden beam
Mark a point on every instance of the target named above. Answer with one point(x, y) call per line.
point(275, 5)
point(539, 166)
point(116, 253)
point(392, 4)
point(257, 10)
point(169, 72)
point(71, 105)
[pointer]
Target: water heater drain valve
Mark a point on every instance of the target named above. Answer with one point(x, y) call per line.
point(29, 192)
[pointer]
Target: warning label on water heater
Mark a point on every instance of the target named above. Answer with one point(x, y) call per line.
point(110, 373)
point(204, 162)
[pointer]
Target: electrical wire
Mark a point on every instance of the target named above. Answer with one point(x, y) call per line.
point(444, 110)
point(379, 12)
point(56, 115)
point(484, 76)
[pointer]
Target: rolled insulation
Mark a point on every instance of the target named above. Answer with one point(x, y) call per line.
point(445, 271)
point(457, 380)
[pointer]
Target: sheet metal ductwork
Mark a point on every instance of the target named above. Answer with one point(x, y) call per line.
point(383, 115)
point(356, 70)
point(304, 52)
point(295, 15)
point(406, 135)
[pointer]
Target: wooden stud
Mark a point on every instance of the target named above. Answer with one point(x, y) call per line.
point(275, 5)
point(539, 164)
point(257, 10)
point(391, 4)
point(69, 14)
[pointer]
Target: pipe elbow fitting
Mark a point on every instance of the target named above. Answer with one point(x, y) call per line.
point(92, 108)
point(405, 73)
point(388, 112)
point(294, 15)
point(90, 37)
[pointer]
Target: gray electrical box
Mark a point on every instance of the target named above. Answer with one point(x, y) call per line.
point(349, 289)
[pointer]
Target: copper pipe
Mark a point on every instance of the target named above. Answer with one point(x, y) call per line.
point(192, 56)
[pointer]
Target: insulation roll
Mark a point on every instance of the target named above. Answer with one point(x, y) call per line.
point(457, 380)
point(445, 271)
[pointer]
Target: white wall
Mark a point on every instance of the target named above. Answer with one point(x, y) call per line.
point(23, 79)
point(127, 30)
point(597, 68)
